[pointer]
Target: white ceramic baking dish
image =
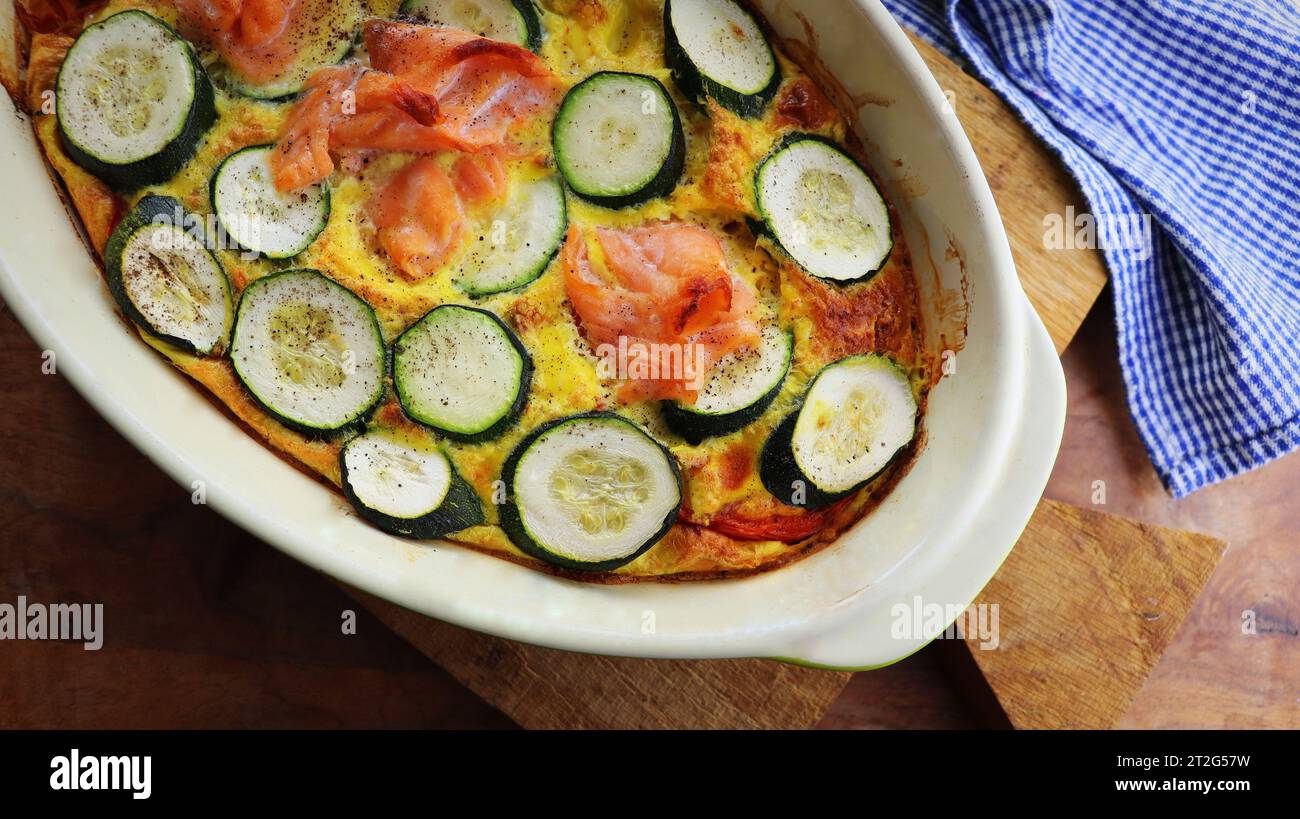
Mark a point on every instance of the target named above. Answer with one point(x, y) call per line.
point(994, 426)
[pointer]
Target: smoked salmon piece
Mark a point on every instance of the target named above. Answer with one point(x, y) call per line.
point(419, 217)
point(255, 37)
point(349, 107)
point(480, 179)
point(421, 214)
point(428, 90)
point(483, 86)
point(668, 294)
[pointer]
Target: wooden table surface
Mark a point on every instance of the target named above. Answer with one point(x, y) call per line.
point(207, 627)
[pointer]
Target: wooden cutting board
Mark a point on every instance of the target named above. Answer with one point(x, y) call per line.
point(546, 688)
point(1131, 583)
point(1087, 603)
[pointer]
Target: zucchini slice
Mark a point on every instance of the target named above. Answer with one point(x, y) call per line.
point(132, 101)
point(717, 49)
point(407, 490)
point(519, 242)
point(511, 21)
point(323, 35)
point(857, 415)
point(822, 208)
point(619, 140)
point(259, 217)
point(590, 492)
point(308, 350)
point(461, 372)
point(737, 391)
point(166, 279)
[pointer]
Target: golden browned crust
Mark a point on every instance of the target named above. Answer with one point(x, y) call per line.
point(880, 317)
point(801, 104)
point(99, 208)
point(44, 59)
point(732, 156)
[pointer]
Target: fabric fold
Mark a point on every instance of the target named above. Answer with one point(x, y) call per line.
point(1180, 121)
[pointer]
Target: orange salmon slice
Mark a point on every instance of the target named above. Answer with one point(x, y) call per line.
point(419, 217)
point(421, 214)
point(666, 293)
point(428, 90)
point(255, 37)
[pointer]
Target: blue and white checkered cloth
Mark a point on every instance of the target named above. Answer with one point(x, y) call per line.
point(1182, 116)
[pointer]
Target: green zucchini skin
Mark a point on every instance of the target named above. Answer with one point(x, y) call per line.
point(212, 203)
point(356, 424)
point(314, 54)
point(521, 400)
point(479, 291)
point(760, 227)
point(165, 164)
point(779, 472)
point(533, 21)
point(512, 522)
point(670, 172)
point(460, 509)
point(274, 95)
point(700, 88)
point(149, 209)
point(527, 12)
point(697, 428)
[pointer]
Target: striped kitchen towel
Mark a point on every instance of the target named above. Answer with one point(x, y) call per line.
point(1181, 121)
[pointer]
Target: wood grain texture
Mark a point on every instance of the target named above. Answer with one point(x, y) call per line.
point(1029, 185)
point(1087, 604)
point(1218, 672)
point(543, 688)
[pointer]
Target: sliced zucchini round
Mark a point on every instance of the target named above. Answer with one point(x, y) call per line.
point(619, 140)
point(857, 415)
point(323, 35)
point(407, 490)
point(461, 372)
point(259, 217)
point(511, 21)
point(590, 492)
point(132, 101)
point(309, 351)
point(519, 241)
point(737, 391)
point(822, 208)
point(166, 280)
point(717, 49)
